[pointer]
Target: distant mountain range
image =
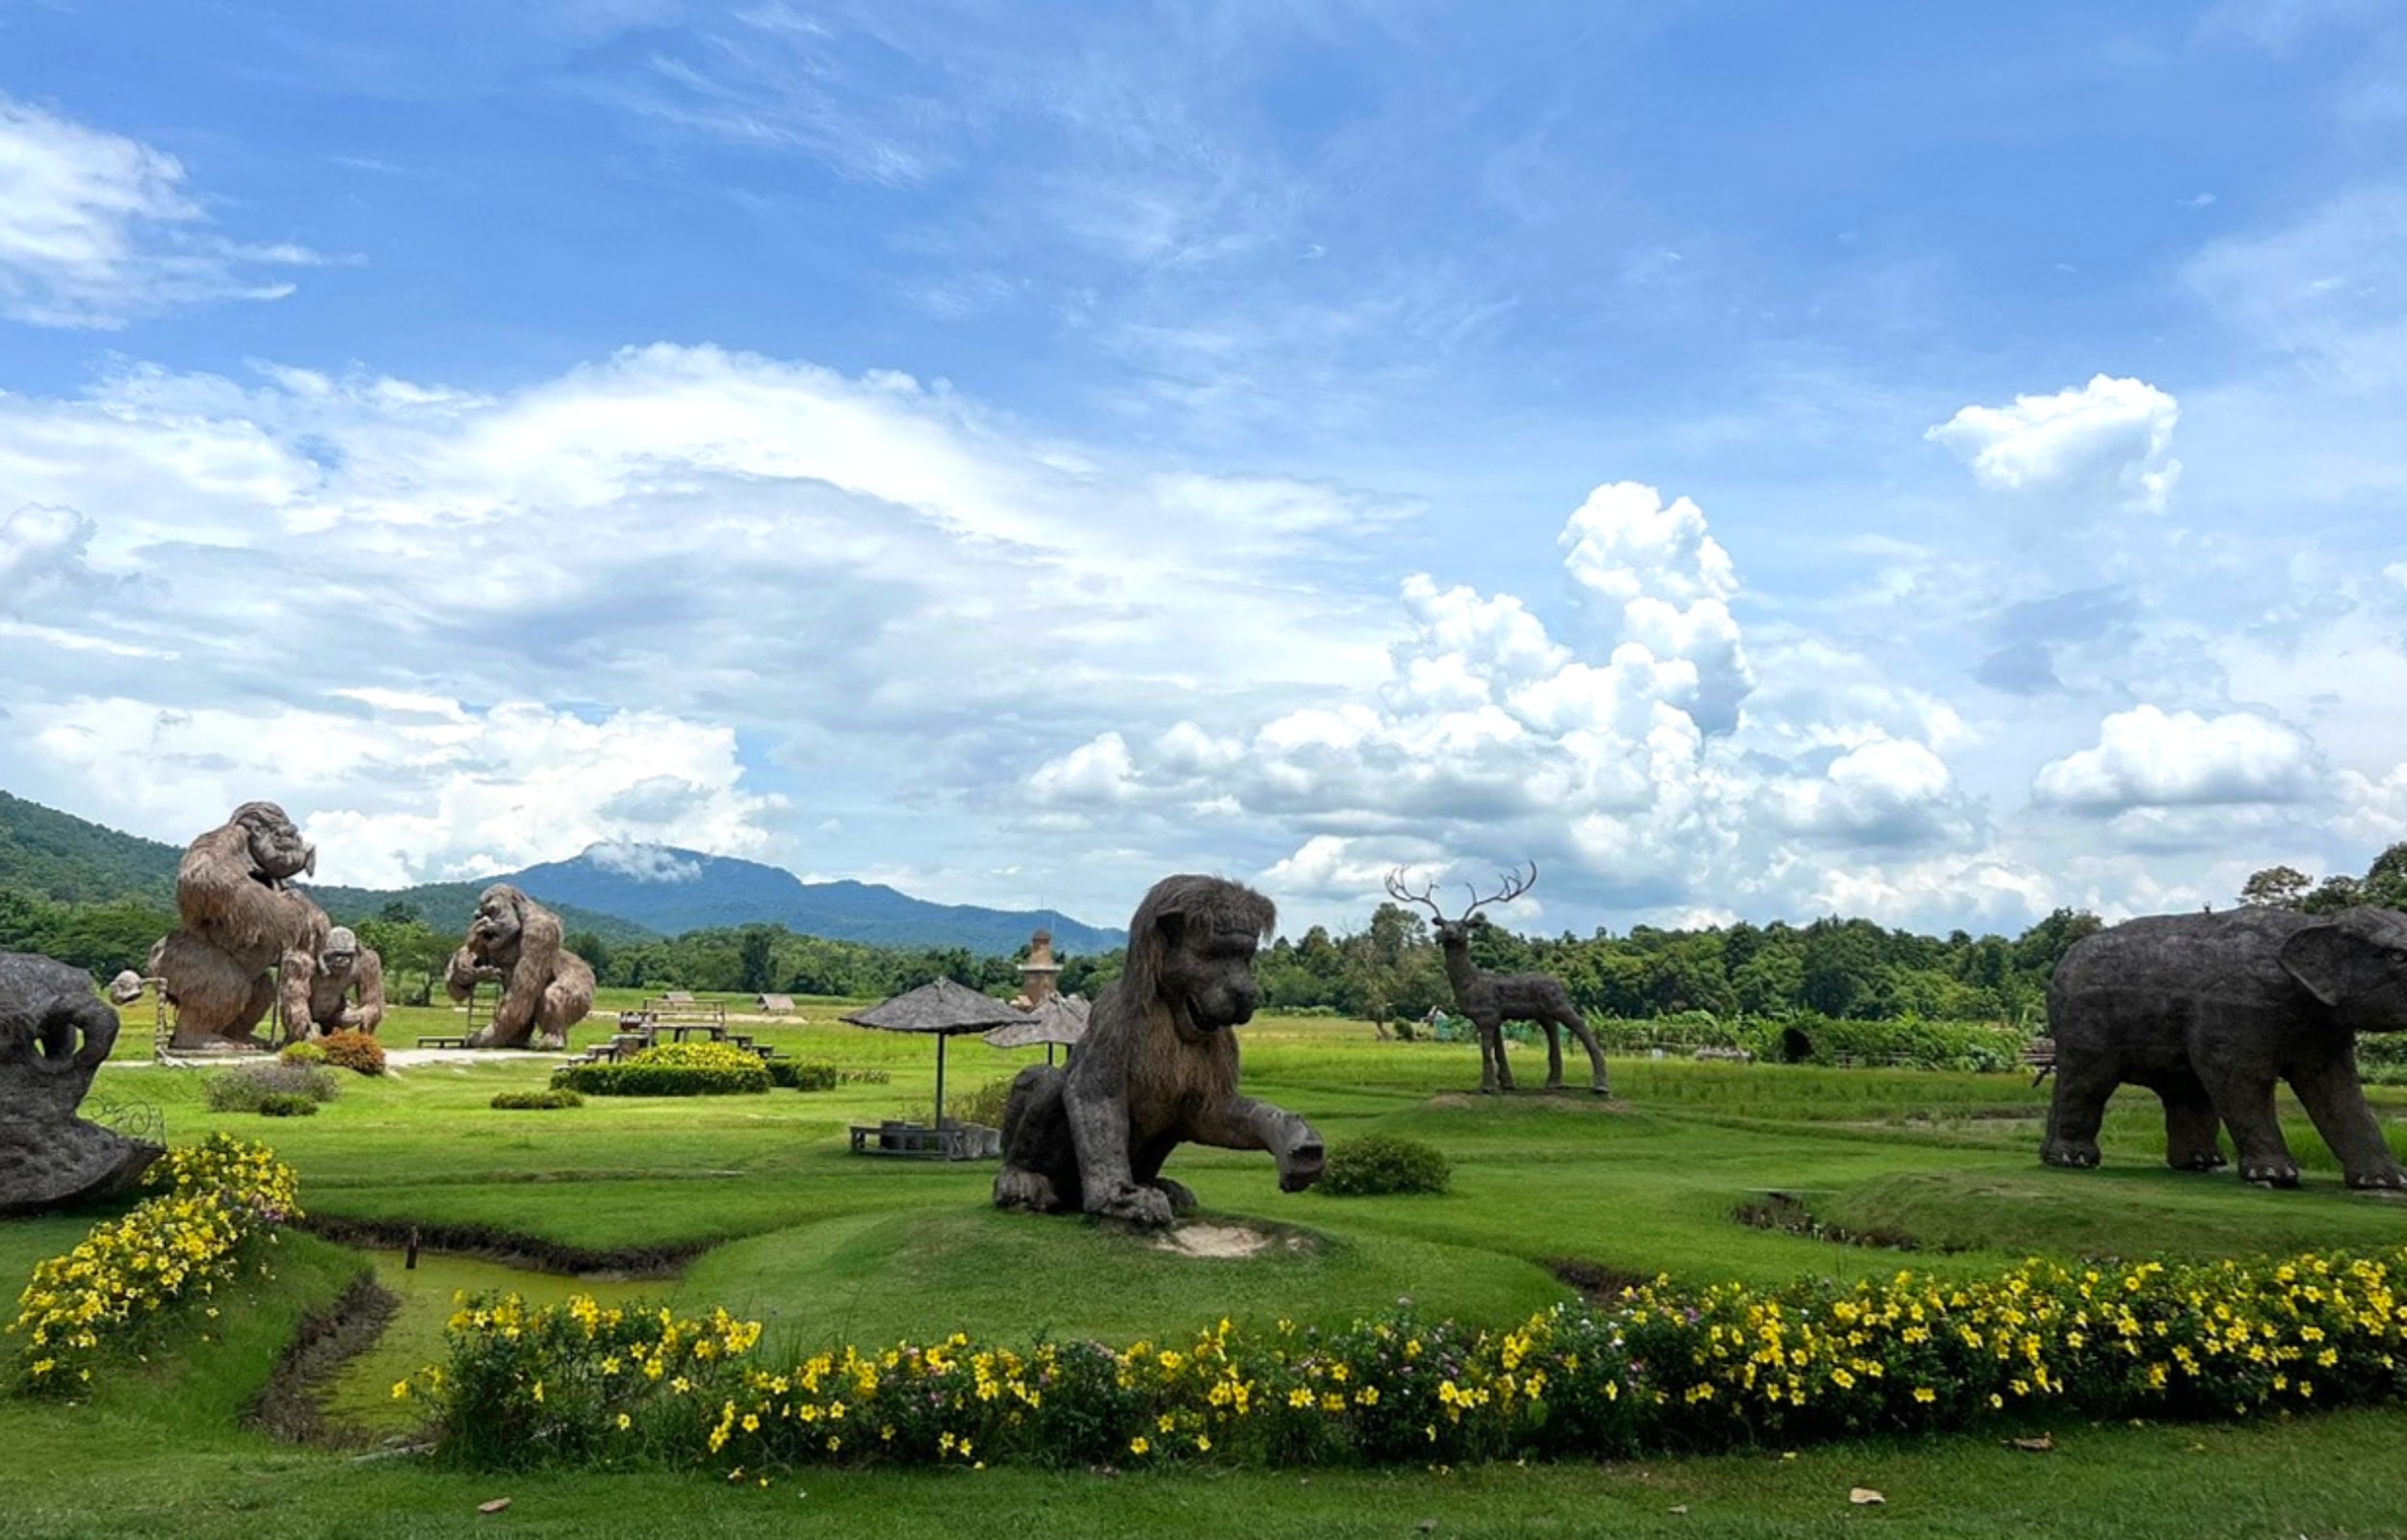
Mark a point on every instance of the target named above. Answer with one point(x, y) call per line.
point(620, 892)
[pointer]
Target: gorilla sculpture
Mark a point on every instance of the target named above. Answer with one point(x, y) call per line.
point(345, 969)
point(126, 987)
point(546, 988)
point(48, 1156)
point(2209, 1010)
point(1157, 1068)
point(244, 929)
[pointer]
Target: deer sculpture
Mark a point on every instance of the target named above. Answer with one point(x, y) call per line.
point(1493, 999)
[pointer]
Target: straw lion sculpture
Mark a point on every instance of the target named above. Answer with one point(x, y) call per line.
point(1157, 1068)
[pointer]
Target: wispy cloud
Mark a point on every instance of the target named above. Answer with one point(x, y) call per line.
point(97, 228)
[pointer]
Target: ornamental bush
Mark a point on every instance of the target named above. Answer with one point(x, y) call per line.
point(354, 1050)
point(796, 1075)
point(1383, 1163)
point(670, 1069)
point(303, 1052)
point(536, 1100)
point(244, 1087)
point(195, 1234)
point(1662, 1367)
point(287, 1104)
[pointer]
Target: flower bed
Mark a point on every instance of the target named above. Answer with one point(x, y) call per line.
point(1660, 1368)
point(670, 1069)
point(219, 1195)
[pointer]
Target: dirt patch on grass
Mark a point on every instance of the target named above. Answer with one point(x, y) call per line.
point(616, 1265)
point(289, 1407)
point(1570, 1098)
point(1227, 1242)
point(1789, 1213)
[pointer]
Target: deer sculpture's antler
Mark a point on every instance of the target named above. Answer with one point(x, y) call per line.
point(1514, 886)
point(1397, 890)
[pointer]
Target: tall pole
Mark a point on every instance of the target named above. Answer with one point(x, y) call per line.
point(940, 1080)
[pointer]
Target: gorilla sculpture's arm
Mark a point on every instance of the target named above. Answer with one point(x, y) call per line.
point(538, 960)
point(367, 975)
point(463, 973)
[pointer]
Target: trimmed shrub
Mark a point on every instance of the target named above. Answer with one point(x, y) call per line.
point(670, 1069)
point(535, 1101)
point(354, 1050)
point(244, 1087)
point(287, 1104)
point(983, 1106)
point(303, 1052)
point(1376, 1164)
point(864, 1077)
point(795, 1075)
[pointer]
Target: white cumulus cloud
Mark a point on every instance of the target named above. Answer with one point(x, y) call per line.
point(2149, 757)
point(2109, 434)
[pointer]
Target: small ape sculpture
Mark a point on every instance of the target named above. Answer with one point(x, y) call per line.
point(126, 987)
point(1157, 1068)
point(1493, 999)
point(346, 969)
point(546, 988)
point(247, 941)
point(2210, 1012)
point(48, 1156)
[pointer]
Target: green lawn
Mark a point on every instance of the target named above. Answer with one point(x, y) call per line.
point(784, 1224)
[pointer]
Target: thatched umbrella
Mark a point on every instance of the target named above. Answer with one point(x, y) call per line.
point(942, 1009)
point(1056, 1019)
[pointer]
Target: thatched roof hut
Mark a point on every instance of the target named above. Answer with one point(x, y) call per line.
point(941, 1009)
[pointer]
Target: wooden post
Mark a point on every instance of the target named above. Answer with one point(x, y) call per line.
point(940, 1080)
point(409, 1254)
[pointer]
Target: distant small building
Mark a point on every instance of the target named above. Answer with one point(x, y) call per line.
point(1039, 975)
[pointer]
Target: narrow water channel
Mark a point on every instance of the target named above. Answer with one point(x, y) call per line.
point(361, 1395)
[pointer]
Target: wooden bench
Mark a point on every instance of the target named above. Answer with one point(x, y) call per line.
point(2039, 1056)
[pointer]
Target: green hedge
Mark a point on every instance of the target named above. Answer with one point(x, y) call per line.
point(796, 1075)
point(1383, 1163)
point(670, 1069)
point(530, 1101)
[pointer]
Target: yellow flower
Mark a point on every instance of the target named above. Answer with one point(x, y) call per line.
point(1138, 1445)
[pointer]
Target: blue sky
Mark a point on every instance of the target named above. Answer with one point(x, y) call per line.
point(1756, 459)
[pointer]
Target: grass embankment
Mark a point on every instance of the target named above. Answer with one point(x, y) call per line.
point(824, 1245)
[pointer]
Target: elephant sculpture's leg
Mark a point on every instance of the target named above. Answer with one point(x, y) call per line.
point(2336, 1100)
point(2074, 1116)
point(2244, 1099)
point(2193, 1132)
point(1554, 1055)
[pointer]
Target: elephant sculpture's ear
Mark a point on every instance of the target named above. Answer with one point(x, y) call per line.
point(2323, 958)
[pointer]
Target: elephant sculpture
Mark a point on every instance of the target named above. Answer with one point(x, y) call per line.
point(2209, 1011)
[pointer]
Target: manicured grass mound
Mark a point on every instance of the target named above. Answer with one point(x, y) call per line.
point(1376, 1164)
point(249, 1087)
point(536, 1101)
point(670, 1069)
